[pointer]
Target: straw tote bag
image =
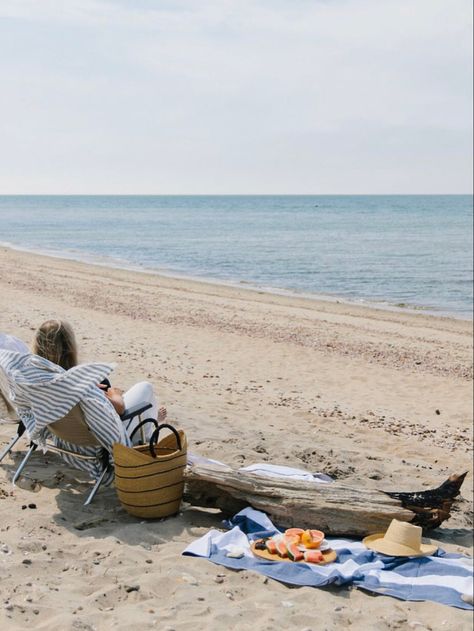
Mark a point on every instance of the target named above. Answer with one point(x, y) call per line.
point(150, 478)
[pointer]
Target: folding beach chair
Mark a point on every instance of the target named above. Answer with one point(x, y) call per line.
point(65, 412)
point(75, 438)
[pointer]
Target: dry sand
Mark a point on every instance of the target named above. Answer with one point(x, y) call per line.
point(370, 396)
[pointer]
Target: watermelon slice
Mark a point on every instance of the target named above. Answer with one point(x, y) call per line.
point(294, 553)
point(313, 556)
point(281, 548)
point(271, 546)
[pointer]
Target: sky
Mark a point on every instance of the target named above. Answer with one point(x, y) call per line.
point(235, 96)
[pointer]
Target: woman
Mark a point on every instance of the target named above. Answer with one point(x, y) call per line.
point(55, 340)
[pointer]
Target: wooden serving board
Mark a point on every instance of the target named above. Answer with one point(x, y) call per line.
point(329, 556)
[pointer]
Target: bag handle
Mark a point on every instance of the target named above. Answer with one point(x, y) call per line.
point(141, 424)
point(154, 437)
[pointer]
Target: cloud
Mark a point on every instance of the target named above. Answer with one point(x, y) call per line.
point(235, 96)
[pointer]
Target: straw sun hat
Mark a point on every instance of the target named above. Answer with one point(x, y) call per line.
point(400, 540)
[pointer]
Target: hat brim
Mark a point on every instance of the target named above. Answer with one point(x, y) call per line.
point(379, 544)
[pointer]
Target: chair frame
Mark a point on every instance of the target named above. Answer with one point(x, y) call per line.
point(19, 433)
point(128, 415)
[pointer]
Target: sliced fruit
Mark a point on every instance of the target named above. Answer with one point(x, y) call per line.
point(282, 549)
point(271, 546)
point(312, 539)
point(294, 532)
point(313, 556)
point(260, 544)
point(294, 553)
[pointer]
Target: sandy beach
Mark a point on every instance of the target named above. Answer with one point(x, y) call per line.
point(372, 397)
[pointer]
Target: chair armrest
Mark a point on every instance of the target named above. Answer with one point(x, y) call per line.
point(135, 411)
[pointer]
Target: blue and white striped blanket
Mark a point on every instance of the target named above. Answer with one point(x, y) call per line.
point(442, 578)
point(43, 393)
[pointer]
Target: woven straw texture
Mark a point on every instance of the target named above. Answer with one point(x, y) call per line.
point(150, 487)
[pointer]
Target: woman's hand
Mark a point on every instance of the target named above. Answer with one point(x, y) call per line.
point(114, 395)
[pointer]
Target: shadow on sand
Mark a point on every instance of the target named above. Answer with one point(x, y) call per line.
point(104, 517)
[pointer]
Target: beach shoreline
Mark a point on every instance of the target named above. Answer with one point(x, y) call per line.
point(108, 262)
point(370, 396)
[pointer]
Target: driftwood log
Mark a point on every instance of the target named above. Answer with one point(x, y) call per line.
point(336, 508)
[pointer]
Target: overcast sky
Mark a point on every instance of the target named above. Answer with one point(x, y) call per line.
point(235, 96)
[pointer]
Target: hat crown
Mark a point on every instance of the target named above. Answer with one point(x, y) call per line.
point(400, 539)
point(405, 534)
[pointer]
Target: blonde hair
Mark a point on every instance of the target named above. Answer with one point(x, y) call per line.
point(55, 340)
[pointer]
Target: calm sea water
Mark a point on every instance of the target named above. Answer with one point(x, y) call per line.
point(399, 250)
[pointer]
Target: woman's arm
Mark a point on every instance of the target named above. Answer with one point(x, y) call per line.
point(114, 395)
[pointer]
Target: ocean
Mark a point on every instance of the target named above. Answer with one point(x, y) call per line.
point(398, 251)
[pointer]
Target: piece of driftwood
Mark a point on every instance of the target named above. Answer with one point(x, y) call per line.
point(432, 507)
point(336, 508)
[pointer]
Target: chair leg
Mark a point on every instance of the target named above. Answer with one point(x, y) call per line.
point(9, 447)
point(97, 484)
point(32, 448)
point(14, 440)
